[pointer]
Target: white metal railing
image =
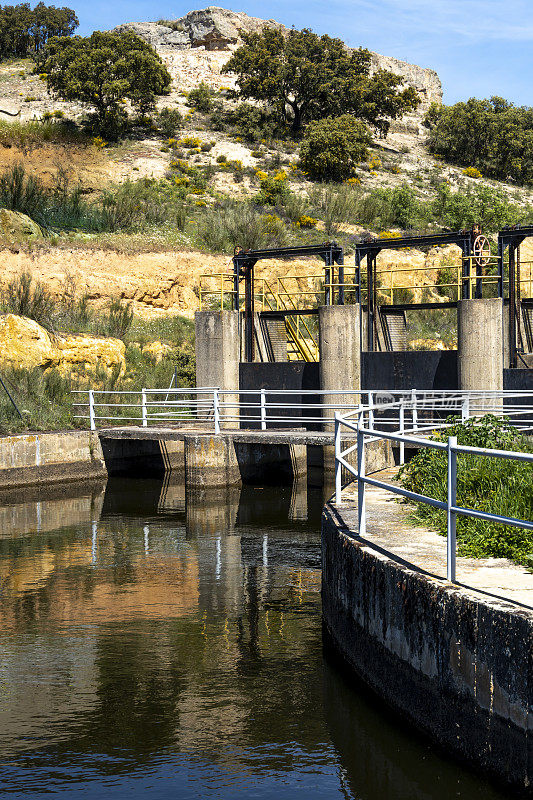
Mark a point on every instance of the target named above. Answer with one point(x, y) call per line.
point(403, 436)
point(265, 409)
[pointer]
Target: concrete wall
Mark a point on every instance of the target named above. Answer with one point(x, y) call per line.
point(50, 457)
point(480, 344)
point(458, 668)
point(340, 352)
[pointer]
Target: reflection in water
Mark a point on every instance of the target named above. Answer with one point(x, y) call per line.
point(154, 644)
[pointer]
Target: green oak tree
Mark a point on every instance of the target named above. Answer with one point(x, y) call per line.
point(332, 147)
point(492, 134)
point(104, 70)
point(24, 31)
point(305, 77)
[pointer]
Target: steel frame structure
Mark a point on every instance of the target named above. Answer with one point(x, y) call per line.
point(243, 270)
point(370, 248)
point(510, 238)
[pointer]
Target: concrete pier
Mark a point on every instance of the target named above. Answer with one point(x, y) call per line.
point(340, 356)
point(218, 352)
point(480, 344)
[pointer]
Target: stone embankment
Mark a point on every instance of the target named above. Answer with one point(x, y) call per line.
point(454, 660)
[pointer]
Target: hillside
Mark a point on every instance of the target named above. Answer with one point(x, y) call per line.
point(224, 164)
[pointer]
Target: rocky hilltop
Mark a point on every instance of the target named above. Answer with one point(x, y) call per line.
point(196, 47)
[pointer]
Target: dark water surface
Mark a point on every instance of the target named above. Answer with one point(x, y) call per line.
point(152, 648)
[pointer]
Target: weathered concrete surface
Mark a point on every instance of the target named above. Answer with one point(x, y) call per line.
point(50, 457)
point(340, 354)
point(218, 352)
point(480, 344)
point(456, 661)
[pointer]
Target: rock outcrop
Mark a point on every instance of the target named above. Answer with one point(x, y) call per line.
point(17, 225)
point(212, 28)
point(24, 343)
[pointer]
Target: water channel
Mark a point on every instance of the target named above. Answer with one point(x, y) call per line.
point(161, 648)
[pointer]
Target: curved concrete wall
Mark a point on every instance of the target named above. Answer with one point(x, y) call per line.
point(458, 667)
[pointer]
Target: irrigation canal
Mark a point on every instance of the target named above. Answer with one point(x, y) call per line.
point(155, 648)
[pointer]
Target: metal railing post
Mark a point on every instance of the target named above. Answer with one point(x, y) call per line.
point(263, 411)
point(402, 431)
point(338, 465)
point(92, 420)
point(414, 409)
point(361, 504)
point(371, 410)
point(143, 409)
point(216, 410)
point(451, 501)
point(465, 409)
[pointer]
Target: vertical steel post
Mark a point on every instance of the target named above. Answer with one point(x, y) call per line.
point(467, 264)
point(361, 503)
point(340, 289)
point(338, 465)
point(465, 408)
point(216, 410)
point(414, 409)
point(371, 410)
point(263, 411)
point(236, 303)
point(402, 432)
point(451, 502)
point(512, 307)
point(92, 420)
point(144, 411)
point(327, 282)
point(501, 254)
point(249, 312)
point(370, 302)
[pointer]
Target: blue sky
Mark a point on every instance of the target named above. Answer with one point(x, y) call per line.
point(479, 47)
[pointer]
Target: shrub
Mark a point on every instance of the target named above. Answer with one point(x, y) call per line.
point(493, 485)
point(492, 135)
point(200, 98)
point(26, 298)
point(190, 142)
point(334, 205)
point(332, 147)
point(169, 122)
point(386, 208)
point(306, 222)
point(119, 319)
point(461, 209)
point(230, 224)
point(273, 188)
point(134, 205)
point(472, 172)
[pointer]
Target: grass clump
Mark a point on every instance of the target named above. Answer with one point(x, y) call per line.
point(494, 485)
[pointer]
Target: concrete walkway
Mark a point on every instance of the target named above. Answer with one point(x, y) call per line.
point(390, 531)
